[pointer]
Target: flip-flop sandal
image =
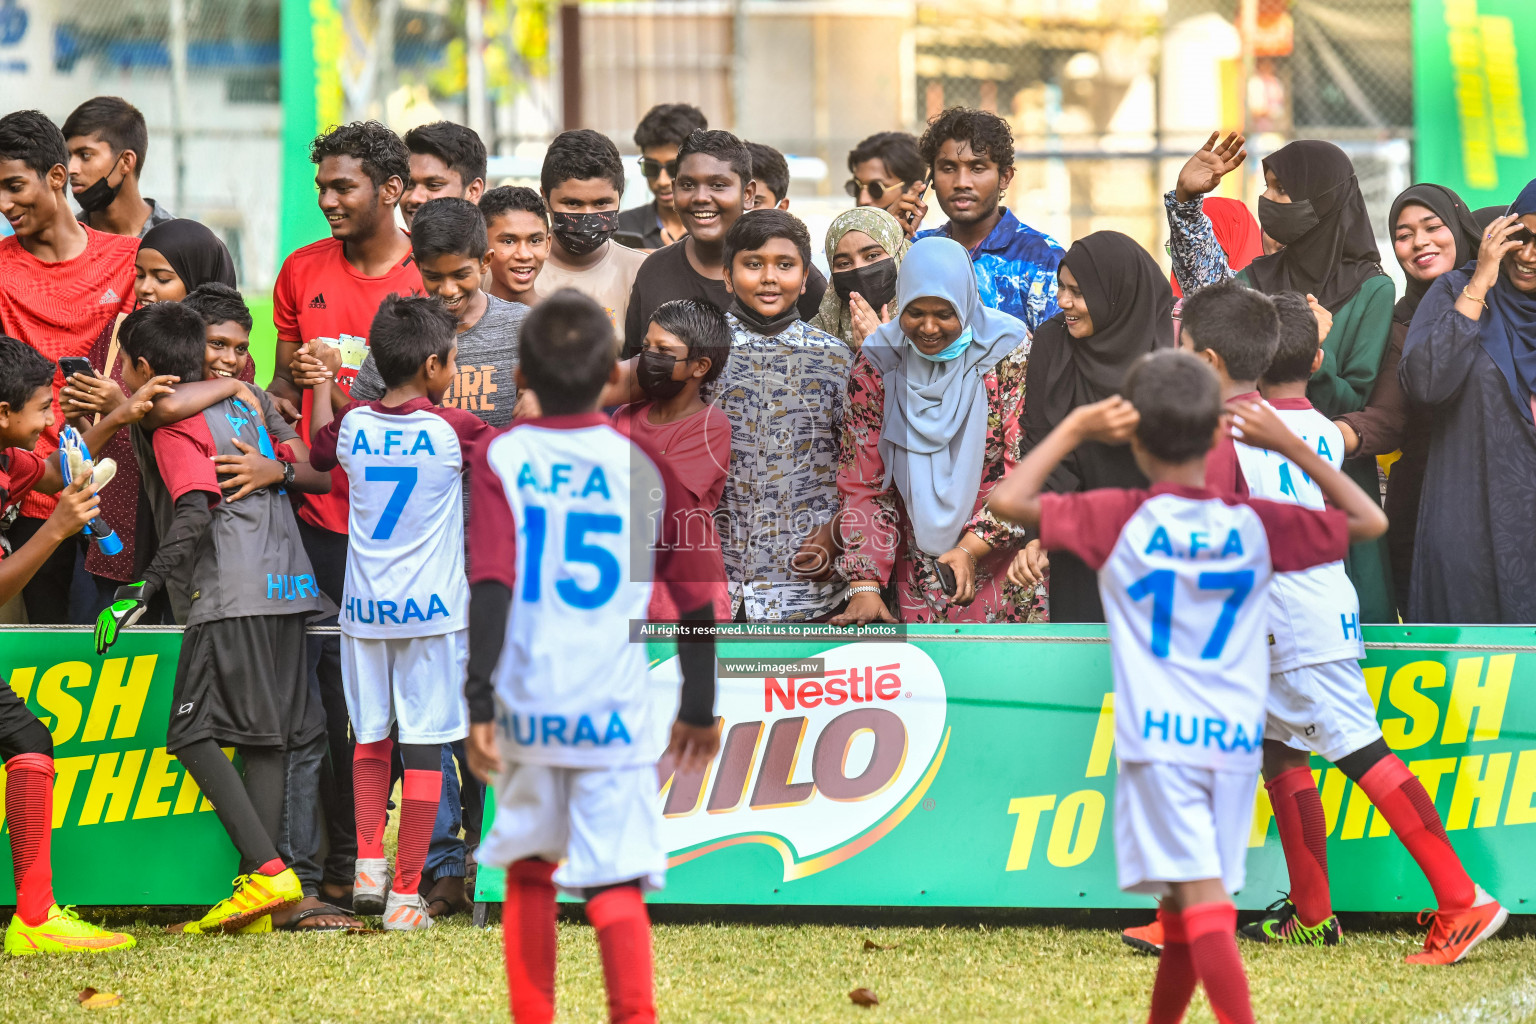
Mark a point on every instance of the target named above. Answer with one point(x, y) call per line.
point(294, 924)
point(457, 903)
point(339, 902)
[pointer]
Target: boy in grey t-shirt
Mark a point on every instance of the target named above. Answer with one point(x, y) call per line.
point(448, 239)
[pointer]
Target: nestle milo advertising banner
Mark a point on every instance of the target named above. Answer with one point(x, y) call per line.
point(1474, 96)
point(962, 767)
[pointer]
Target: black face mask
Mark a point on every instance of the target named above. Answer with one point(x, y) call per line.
point(100, 195)
point(875, 283)
point(1286, 222)
point(583, 233)
point(654, 372)
point(755, 321)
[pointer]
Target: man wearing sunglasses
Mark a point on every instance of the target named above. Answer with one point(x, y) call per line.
point(660, 133)
point(888, 172)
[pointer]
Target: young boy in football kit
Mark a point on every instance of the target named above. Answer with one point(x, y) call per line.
point(1185, 574)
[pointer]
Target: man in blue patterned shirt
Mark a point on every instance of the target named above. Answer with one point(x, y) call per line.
point(970, 154)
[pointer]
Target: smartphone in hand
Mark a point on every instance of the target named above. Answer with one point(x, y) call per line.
point(920, 191)
point(72, 365)
point(946, 578)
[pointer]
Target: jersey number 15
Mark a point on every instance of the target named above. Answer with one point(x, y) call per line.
point(578, 551)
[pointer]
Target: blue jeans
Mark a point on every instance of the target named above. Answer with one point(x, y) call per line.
point(298, 843)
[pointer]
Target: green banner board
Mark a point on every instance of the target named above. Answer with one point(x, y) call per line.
point(1474, 96)
point(959, 767)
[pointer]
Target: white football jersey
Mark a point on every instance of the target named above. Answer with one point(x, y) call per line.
point(405, 556)
point(1315, 612)
point(583, 507)
point(1184, 577)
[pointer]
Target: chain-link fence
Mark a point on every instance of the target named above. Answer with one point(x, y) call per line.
point(1105, 97)
point(204, 73)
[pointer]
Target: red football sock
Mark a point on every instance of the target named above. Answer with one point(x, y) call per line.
point(419, 793)
point(1175, 982)
point(370, 794)
point(528, 935)
point(1213, 949)
point(1400, 797)
point(29, 811)
point(275, 866)
point(1304, 836)
point(624, 935)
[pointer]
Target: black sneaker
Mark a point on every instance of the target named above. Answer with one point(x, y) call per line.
point(1280, 924)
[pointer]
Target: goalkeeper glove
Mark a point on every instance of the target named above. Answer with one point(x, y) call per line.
point(128, 604)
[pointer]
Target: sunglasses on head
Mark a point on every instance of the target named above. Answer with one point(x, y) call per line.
point(652, 168)
point(876, 190)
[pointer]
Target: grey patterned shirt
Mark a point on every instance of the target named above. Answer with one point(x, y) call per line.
point(784, 395)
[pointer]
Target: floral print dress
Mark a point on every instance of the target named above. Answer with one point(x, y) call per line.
point(877, 535)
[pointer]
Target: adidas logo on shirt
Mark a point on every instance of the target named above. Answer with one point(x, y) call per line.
point(318, 302)
point(108, 296)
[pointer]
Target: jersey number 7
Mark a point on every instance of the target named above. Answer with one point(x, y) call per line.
point(404, 479)
point(1159, 584)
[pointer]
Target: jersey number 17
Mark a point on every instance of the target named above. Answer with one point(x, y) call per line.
point(1159, 586)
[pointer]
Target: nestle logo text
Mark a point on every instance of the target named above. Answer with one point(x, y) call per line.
point(856, 685)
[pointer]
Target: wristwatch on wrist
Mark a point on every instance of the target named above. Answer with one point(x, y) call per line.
point(288, 472)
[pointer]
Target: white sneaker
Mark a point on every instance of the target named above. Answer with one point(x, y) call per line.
point(406, 912)
point(370, 881)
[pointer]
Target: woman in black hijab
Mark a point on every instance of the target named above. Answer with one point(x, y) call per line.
point(1433, 233)
point(1313, 208)
point(1116, 306)
point(174, 259)
point(177, 257)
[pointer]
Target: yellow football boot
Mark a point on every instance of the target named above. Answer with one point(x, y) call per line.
point(62, 931)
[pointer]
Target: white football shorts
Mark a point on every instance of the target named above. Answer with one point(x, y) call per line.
point(416, 681)
point(1176, 823)
point(603, 823)
point(1322, 708)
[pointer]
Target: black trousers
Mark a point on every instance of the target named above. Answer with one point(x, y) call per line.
point(47, 593)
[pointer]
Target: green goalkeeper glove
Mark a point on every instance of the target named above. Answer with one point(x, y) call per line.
point(128, 605)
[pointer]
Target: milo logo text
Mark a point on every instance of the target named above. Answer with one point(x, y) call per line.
point(817, 768)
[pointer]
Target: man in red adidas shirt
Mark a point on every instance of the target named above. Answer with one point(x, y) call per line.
point(323, 304)
point(61, 283)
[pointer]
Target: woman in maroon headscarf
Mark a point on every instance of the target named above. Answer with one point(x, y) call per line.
point(1236, 232)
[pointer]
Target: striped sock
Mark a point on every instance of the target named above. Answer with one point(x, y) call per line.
point(528, 935)
point(370, 794)
point(1175, 982)
point(29, 813)
point(624, 936)
point(1402, 800)
point(420, 792)
point(1219, 966)
point(1304, 836)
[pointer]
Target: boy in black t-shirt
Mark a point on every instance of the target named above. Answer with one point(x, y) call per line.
point(714, 187)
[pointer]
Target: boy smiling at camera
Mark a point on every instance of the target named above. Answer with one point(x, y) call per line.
point(449, 240)
point(783, 390)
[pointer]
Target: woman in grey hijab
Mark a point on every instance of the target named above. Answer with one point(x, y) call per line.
point(930, 426)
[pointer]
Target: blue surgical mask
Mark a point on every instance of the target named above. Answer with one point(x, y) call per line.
point(951, 351)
